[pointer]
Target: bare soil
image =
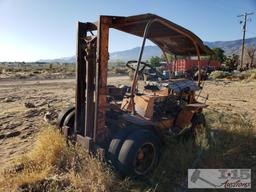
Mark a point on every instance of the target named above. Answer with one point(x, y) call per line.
point(237, 97)
point(27, 105)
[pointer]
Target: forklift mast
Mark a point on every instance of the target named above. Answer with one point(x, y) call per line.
point(91, 82)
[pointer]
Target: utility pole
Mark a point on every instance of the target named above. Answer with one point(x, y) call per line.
point(245, 15)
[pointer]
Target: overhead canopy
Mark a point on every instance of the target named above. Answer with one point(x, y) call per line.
point(170, 37)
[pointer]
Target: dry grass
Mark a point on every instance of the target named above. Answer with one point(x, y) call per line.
point(250, 74)
point(46, 155)
point(228, 142)
point(53, 165)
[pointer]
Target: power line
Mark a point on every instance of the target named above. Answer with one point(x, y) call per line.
point(251, 33)
point(244, 22)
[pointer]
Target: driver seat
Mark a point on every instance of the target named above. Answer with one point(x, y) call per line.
point(151, 87)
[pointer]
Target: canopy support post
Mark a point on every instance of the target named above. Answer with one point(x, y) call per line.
point(198, 64)
point(135, 78)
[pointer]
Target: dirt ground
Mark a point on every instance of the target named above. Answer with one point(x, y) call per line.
point(26, 106)
point(232, 96)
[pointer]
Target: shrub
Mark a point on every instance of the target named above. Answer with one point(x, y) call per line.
point(245, 75)
point(219, 74)
point(120, 70)
point(250, 74)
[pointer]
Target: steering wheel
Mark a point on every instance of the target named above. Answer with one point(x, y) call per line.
point(143, 65)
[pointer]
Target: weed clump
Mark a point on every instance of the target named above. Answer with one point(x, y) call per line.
point(53, 165)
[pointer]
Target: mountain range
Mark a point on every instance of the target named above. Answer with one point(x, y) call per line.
point(230, 47)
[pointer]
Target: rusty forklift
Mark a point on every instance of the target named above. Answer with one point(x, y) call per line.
point(124, 125)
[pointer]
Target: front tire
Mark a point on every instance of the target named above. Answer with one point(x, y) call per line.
point(117, 142)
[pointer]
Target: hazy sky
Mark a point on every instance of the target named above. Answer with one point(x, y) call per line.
point(46, 29)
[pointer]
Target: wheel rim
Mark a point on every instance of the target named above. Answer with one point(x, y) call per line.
point(145, 159)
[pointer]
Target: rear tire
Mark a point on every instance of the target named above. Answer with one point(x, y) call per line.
point(139, 154)
point(70, 122)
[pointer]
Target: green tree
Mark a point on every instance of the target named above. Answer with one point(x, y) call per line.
point(218, 55)
point(231, 62)
point(155, 61)
point(169, 56)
